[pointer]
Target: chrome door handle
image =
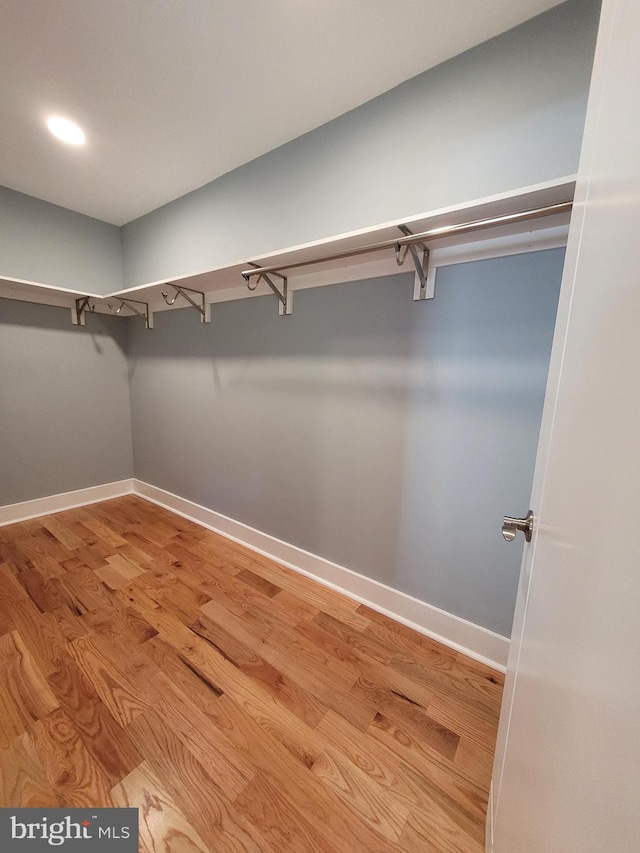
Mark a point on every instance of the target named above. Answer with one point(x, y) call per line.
point(510, 527)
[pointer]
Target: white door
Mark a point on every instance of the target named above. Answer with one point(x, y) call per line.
point(567, 771)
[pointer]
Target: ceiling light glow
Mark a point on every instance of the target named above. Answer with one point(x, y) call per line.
point(65, 130)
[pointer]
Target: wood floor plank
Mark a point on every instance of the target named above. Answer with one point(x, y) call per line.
point(246, 596)
point(306, 792)
point(112, 679)
point(122, 624)
point(465, 719)
point(45, 550)
point(145, 660)
point(257, 582)
point(41, 634)
point(252, 696)
point(183, 600)
point(106, 741)
point(200, 556)
point(103, 531)
point(414, 718)
point(420, 795)
point(363, 795)
point(433, 830)
point(366, 646)
point(208, 807)
point(23, 779)
point(456, 782)
point(323, 598)
point(6, 625)
point(55, 524)
point(163, 827)
point(285, 689)
point(464, 686)
point(201, 737)
point(118, 571)
point(25, 696)
point(183, 675)
point(86, 588)
point(155, 554)
point(475, 760)
point(406, 641)
point(12, 591)
point(370, 756)
point(324, 687)
point(190, 561)
point(297, 609)
point(71, 770)
point(20, 530)
point(68, 618)
point(278, 821)
point(47, 593)
point(417, 691)
point(308, 653)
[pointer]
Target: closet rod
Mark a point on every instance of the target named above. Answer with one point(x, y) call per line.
point(411, 239)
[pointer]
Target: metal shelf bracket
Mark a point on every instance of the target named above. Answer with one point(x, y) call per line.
point(79, 311)
point(424, 285)
point(144, 314)
point(285, 296)
point(200, 305)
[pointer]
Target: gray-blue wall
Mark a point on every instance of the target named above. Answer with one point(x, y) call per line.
point(507, 114)
point(385, 435)
point(65, 421)
point(42, 242)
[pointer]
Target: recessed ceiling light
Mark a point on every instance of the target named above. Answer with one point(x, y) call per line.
point(67, 131)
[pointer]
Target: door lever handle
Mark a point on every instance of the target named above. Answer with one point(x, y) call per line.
point(510, 527)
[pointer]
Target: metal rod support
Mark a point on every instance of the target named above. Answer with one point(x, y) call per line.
point(284, 295)
point(78, 314)
point(424, 285)
point(145, 314)
point(422, 271)
point(413, 239)
point(200, 306)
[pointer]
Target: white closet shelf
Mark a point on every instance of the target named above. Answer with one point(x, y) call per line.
point(226, 283)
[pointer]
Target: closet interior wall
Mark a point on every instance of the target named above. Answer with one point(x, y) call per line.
point(385, 435)
point(65, 420)
point(42, 242)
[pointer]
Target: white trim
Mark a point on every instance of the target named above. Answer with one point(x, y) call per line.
point(13, 513)
point(68, 291)
point(459, 634)
point(488, 827)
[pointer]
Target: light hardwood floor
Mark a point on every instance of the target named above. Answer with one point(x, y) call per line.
point(145, 661)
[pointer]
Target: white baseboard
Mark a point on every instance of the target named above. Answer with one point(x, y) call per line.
point(463, 636)
point(488, 828)
point(13, 513)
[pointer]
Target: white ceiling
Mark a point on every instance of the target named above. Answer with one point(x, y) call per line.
point(174, 93)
